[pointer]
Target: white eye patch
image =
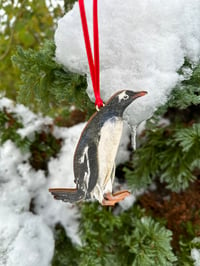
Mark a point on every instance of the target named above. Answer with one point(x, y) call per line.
point(123, 96)
point(126, 97)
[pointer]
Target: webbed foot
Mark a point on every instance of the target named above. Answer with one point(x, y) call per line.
point(111, 199)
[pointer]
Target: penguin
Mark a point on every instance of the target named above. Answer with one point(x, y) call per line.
point(95, 153)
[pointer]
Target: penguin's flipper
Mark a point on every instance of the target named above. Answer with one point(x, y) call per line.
point(86, 166)
point(111, 199)
point(67, 194)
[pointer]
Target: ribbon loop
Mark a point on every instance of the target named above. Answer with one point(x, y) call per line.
point(92, 61)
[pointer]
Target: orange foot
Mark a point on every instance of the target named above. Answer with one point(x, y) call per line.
point(111, 199)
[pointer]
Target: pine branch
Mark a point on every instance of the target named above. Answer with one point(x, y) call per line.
point(126, 239)
point(65, 253)
point(170, 153)
point(187, 93)
point(186, 248)
point(41, 145)
point(149, 243)
point(46, 85)
point(9, 124)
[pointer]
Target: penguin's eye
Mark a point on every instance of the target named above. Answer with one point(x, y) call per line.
point(123, 96)
point(126, 97)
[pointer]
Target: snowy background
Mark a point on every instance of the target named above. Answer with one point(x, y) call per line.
point(21, 231)
point(142, 45)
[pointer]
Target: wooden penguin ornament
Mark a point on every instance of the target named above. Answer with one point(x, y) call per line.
point(94, 157)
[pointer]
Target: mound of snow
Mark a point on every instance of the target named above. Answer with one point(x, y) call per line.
point(142, 45)
point(27, 238)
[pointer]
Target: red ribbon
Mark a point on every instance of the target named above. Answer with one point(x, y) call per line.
point(93, 63)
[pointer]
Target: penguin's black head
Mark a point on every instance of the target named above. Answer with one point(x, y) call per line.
point(121, 100)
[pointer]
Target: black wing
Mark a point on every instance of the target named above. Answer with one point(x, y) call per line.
point(67, 194)
point(86, 165)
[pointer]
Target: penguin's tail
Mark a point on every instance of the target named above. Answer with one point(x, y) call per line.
point(67, 194)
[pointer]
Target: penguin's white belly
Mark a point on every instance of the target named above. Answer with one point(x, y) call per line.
point(110, 136)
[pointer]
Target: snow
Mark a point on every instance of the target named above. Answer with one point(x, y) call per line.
point(27, 238)
point(142, 46)
point(195, 253)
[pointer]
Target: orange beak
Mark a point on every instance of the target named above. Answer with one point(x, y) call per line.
point(140, 94)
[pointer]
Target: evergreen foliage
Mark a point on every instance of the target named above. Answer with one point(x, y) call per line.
point(186, 247)
point(26, 23)
point(65, 252)
point(171, 152)
point(129, 238)
point(45, 84)
point(187, 93)
point(150, 243)
point(42, 145)
point(9, 123)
